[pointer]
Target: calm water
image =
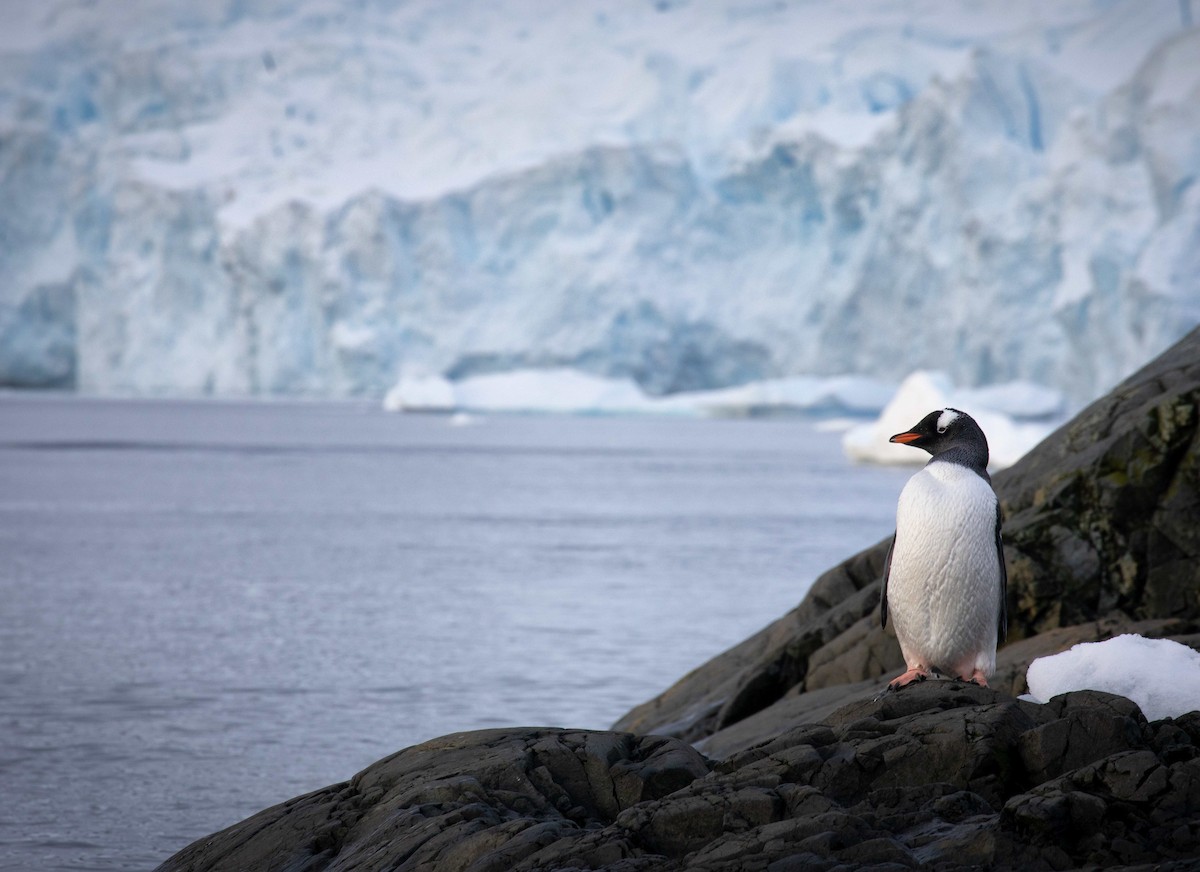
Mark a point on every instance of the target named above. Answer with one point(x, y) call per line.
point(208, 608)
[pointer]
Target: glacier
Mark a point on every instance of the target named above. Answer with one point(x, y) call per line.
point(307, 198)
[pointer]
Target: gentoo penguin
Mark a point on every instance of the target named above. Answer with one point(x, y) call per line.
point(944, 579)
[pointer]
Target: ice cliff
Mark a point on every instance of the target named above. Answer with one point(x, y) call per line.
point(308, 198)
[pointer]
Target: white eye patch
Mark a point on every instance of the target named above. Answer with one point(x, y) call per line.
point(948, 417)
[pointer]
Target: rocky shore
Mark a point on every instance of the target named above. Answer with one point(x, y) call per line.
point(782, 754)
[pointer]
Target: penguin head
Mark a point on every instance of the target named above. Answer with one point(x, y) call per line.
point(948, 430)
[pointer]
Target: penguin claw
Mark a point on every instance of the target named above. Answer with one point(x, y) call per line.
point(913, 676)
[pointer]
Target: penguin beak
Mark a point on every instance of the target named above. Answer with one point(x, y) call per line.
point(905, 438)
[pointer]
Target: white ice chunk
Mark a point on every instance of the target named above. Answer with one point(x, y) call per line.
point(1017, 399)
point(569, 391)
point(924, 392)
point(799, 393)
point(918, 395)
point(549, 390)
point(1161, 676)
point(429, 393)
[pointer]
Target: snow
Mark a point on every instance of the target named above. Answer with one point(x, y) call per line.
point(924, 392)
point(310, 199)
point(1161, 676)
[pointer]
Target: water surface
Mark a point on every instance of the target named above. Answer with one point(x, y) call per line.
point(209, 608)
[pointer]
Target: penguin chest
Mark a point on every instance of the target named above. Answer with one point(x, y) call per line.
point(944, 585)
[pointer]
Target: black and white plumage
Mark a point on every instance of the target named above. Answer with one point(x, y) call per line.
point(944, 582)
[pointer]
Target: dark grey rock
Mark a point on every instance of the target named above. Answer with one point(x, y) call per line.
point(940, 775)
point(484, 800)
point(1132, 806)
point(760, 671)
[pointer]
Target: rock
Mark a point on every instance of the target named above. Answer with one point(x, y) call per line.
point(794, 708)
point(797, 705)
point(1133, 805)
point(1102, 536)
point(756, 673)
point(940, 775)
point(483, 800)
point(1102, 516)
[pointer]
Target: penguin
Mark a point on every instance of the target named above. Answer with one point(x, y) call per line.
point(944, 581)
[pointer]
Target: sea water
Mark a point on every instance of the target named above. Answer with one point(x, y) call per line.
point(207, 608)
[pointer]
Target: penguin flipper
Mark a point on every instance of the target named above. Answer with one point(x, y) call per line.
point(1002, 624)
point(887, 571)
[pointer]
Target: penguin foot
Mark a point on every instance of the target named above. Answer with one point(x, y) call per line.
point(911, 677)
point(977, 677)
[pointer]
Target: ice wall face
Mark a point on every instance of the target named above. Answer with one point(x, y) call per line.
point(286, 198)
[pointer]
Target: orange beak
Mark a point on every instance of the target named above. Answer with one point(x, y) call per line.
point(905, 438)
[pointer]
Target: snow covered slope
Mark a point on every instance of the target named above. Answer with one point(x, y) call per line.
point(312, 197)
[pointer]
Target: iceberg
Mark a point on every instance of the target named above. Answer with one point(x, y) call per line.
point(553, 390)
point(425, 393)
point(1160, 675)
point(994, 409)
point(569, 391)
point(807, 394)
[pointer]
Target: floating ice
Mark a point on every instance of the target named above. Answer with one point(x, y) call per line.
point(421, 393)
point(1161, 676)
point(923, 392)
point(1019, 399)
point(569, 391)
point(564, 390)
point(549, 390)
point(858, 394)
